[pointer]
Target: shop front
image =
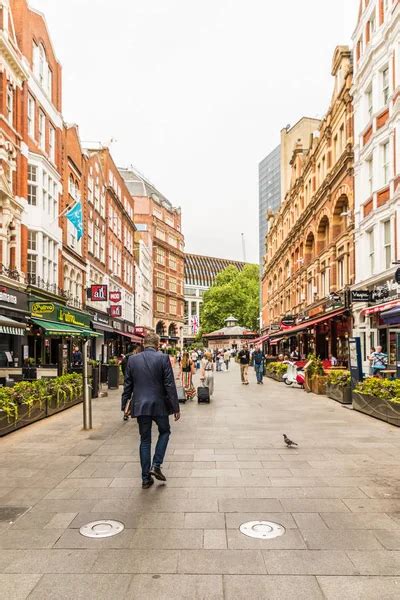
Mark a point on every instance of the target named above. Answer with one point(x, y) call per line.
point(13, 327)
point(101, 324)
point(55, 331)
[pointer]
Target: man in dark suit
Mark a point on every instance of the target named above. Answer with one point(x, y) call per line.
point(150, 385)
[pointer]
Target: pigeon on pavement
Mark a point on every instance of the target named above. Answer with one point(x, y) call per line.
point(289, 443)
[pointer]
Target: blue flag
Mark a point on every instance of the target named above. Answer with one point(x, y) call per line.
point(75, 216)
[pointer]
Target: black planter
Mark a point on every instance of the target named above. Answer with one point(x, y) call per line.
point(29, 372)
point(377, 407)
point(95, 382)
point(27, 416)
point(339, 393)
point(113, 377)
point(103, 373)
point(6, 425)
point(54, 407)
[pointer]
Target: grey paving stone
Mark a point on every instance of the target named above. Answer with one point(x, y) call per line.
point(271, 587)
point(360, 588)
point(136, 561)
point(161, 505)
point(49, 561)
point(215, 539)
point(291, 539)
point(350, 539)
point(17, 587)
point(310, 521)
point(383, 492)
point(360, 521)
point(71, 538)
point(217, 492)
point(179, 587)
point(308, 562)
point(81, 587)
point(313, 505)
point(129, 519)
point(234, 520)
point(169, 539)
point(389, 539)
point(29, 538)
point(221, 561)
point(370, 505)
point(376, 562)
point(250, 505)
point(90, 482)
point(204, 521)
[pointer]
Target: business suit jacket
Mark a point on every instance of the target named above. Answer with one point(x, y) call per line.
point(150, 383)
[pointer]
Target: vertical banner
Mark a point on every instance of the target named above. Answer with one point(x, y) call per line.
point(355, 361)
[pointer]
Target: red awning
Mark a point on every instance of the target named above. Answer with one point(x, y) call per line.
point(309, 323)
point(133, 338)
point(372, 310)
point(260, 339)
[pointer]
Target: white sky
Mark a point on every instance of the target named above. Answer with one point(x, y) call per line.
point(195, 94)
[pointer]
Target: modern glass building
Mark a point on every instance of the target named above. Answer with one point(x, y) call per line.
point(269, 178)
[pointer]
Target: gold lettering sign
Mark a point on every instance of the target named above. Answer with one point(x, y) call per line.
point(42, 308)
point(67, 317)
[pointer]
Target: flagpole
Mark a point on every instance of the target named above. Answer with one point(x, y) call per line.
point(62, 213)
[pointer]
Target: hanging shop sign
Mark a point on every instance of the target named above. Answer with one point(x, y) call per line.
point(115, 296)
point(397, 276)
point(288, 320)
point(98, 293)
point(360, 296)
point(139, 330)
point(130, 328)
point(380, 293)
point(99, 318)
point(11, 298)
point(333, 301)
point(50, 311)
point(115, 311)
point(274, 327)
point(116, 325)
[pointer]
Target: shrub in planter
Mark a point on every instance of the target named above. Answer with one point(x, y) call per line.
point(276, 370)
point(338, 386)
point(63, 392)
point(379, 398)
point(315, 380)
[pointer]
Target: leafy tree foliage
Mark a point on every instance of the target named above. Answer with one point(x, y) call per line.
point(234, 293)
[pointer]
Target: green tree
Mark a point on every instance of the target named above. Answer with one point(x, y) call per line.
point(234, 293)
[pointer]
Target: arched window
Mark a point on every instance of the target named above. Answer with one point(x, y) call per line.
point(323, 234)
point(309, 250)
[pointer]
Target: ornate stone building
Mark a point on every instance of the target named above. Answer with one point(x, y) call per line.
point(309, 263)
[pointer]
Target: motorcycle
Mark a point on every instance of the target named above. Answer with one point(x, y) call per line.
point(294, 374)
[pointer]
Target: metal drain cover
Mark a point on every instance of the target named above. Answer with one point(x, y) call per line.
point(102, 529)
point(263, 530)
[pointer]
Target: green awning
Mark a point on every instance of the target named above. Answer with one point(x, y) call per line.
point(63, 329)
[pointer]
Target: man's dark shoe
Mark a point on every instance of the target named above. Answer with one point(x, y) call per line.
point(148, 483)
point(157, 473)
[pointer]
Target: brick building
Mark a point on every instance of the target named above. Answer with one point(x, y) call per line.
point(376, 91)
point(155, 215)
point(310, 251)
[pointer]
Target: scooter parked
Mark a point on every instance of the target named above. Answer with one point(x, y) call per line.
point(294, 374)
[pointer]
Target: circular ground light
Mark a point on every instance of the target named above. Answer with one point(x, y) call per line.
point(102, 529)
point(263, 530)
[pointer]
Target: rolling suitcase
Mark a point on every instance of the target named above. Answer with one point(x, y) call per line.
point(203, 395)
point(181, 394)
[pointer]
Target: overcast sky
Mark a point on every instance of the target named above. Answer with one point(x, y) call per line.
point(195, 94)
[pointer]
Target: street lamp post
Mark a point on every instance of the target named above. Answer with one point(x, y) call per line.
point(87, 400)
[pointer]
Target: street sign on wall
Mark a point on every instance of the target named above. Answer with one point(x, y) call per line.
point(360, 296)
point(115, 310)
point(98, 293)
point(115, 296)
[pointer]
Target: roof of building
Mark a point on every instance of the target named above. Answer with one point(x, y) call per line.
point(202, 270)
point(138, 185)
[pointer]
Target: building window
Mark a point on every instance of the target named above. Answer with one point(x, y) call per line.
point(370, 168)
point(341, 278)
point(160, 256)
point(172, 306)
point(32, 254)
point(341, 138)
point(160, 234)
point(369, 103)
point(31, 117)
point(324, 281)
point(52, 143)
point(32, 185)
point(42, 130)
point(172, 285)
point(385, 85)
point(371, 251)
point(385, 163)
point(161, 304)
point(387, 244)
point(160, 280)
point(372, 23)
point(10, 104)
point(172, 262)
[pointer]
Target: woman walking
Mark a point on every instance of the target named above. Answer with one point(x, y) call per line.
point(207, 372)
point(187, 371)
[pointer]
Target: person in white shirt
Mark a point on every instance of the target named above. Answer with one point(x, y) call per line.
point(207, 372)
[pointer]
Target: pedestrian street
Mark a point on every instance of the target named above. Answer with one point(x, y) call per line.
point(336, 496)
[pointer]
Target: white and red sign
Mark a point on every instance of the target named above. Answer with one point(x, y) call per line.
point(115, 296)
point(115, 311)
point(98, 293)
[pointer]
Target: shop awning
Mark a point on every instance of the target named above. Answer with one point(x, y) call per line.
point(306, 324)
point(261, 339)
point(11, 327)
point(63, 329)
point(391, 316)
point(102, 326)
point(133, 338)
point(372, 310)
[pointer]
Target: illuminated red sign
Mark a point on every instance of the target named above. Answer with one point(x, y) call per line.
point(115, 296)
point(115, 311)
point(98, 293)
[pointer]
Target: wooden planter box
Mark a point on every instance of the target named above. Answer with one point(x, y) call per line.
point(339, 393)
point(377, 407)
point(318, 384)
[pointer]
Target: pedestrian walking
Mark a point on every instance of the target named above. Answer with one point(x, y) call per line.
point(150, 383)
point(188, 369)
point(244, 360)
point(124, 364)
point(207, 372)
point(227, 358)
point(258, 361)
